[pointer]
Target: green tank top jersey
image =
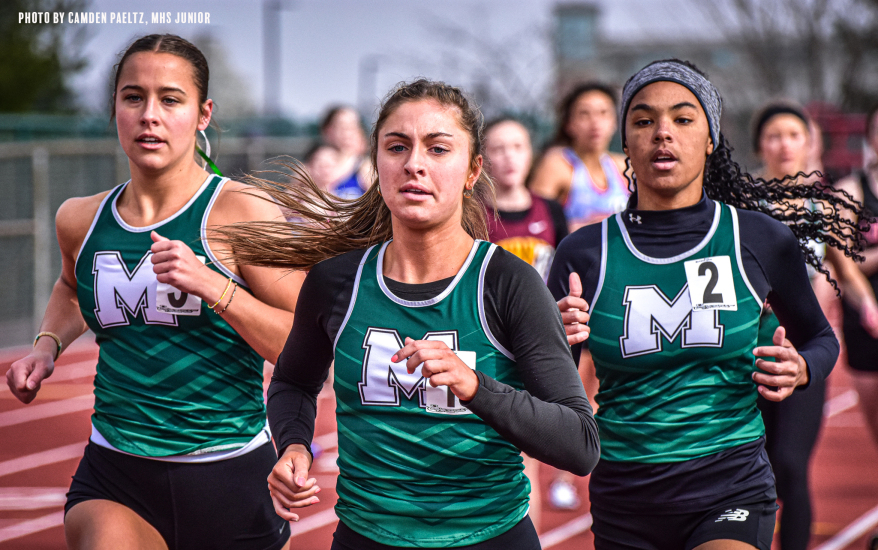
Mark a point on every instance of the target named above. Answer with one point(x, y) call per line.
point(672, 342)
point(767, 326)
point(416, 468)
point(173, 378)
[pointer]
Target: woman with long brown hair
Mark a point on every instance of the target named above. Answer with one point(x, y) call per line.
point(450, 356)
point(180, 447)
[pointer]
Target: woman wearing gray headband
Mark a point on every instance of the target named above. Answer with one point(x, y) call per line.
point(670, 299)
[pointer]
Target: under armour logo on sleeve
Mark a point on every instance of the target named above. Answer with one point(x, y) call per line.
point(634, 219)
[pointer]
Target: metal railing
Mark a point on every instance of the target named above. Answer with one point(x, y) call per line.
point(37, 176)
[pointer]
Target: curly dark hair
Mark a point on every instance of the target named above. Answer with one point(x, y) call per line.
point(838, 219)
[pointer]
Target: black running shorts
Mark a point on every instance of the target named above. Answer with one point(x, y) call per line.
point(751, 521)
point(223, 504)
point(522, 536)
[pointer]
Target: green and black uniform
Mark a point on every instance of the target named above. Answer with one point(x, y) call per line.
point(176, 386)
point(675, 380)
point(675, 302)
point(418, 468)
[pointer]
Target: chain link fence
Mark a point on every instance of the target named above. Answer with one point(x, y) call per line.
point(37, 176)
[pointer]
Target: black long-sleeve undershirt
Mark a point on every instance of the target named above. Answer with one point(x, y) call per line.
point(551, 420)
point(772, 259)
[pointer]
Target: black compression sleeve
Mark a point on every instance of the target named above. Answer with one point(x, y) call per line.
point(303, 365)
point(781, 268)
point(579, 253)
point(552, 419)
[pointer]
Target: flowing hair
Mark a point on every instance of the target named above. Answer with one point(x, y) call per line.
point(321, 226)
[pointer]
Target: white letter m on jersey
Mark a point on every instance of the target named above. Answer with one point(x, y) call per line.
point(649, 315)
point(383, 380)
point(119, 292)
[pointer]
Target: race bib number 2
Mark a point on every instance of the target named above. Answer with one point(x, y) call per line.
point(711, 283)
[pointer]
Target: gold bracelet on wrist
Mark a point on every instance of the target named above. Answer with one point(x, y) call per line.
point(223, 294)
point(54, 337)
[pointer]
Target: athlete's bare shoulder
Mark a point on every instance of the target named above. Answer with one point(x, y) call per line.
point(555, 155)
point(239, 202)
point(852, 185)
point(551, 178)
point(73, 219)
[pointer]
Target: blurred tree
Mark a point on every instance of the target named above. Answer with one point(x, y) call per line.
point(500, 68)
point(38, 58)
point(859, 39)
point(809, 50)
point(228, 89)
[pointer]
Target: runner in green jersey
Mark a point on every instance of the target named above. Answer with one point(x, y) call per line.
point(672, 292)
point(450, 357)
point(178, 390)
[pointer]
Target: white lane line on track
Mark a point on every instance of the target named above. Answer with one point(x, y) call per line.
point(73, 371)
point(840, 403)
point(32, 498)
point(43, 458)
point(31, 526)
point(318, 520)
point(568, 530)
point(852, 532)
point(46, 410)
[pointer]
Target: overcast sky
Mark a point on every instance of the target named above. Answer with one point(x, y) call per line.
point(324, 41)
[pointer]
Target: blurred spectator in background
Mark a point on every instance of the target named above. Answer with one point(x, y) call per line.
point(323, 164)
point(790, 145)
point(860, 312)
point(528, 226)
point(782, 140)
point(341, 129)
point(578, 170)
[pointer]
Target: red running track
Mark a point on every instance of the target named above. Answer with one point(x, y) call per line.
point(42, 443)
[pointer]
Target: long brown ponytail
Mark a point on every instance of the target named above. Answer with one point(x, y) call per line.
point(324, 226)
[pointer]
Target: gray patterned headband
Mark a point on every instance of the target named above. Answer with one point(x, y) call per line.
point(673, 71)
